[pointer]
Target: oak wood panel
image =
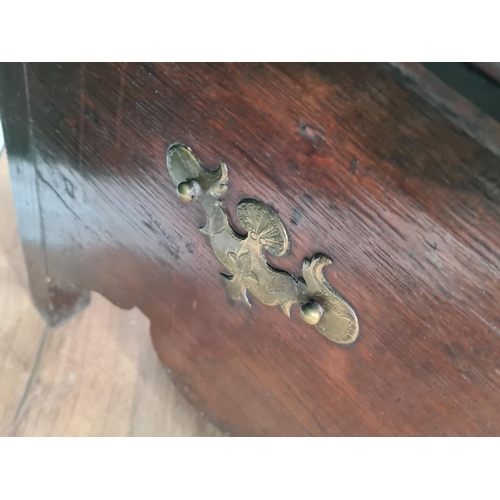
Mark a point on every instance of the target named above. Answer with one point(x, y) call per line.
point(96, 375)
point(356, 165)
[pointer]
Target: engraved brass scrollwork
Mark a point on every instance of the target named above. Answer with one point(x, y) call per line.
point(244, 256)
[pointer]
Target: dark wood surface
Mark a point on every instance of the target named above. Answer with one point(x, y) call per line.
point(356, 165)
point(492, 69)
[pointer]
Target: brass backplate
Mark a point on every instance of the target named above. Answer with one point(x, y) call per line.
point(244, 257)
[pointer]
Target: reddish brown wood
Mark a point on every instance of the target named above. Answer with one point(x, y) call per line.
point(358, 167)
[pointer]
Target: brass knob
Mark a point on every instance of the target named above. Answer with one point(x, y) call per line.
point(188, 190)
point(311, 312)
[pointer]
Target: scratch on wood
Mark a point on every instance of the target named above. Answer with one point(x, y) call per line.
point(29, 384)
point(81, 137)
point(119, 111)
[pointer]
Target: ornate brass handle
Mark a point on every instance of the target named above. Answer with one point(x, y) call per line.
point(244, 256)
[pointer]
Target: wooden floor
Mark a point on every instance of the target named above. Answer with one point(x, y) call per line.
point(97, 375)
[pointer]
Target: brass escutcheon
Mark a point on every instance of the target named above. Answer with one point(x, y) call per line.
point(244, 256)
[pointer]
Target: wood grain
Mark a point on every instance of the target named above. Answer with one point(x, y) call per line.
point(405, 203)
point(97, 375)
